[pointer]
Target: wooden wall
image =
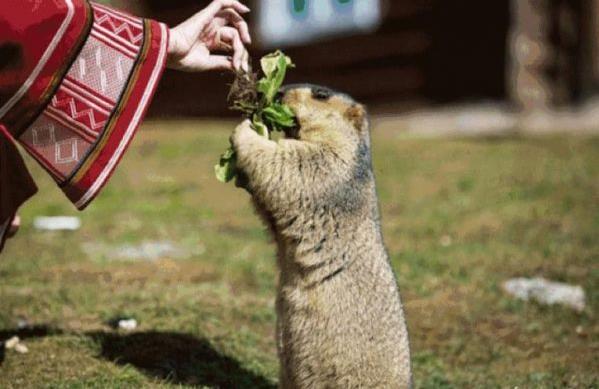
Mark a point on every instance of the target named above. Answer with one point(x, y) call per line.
point(553, 53)
point(426, 51)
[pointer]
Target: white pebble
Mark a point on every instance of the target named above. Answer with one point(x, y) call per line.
point(128, 324)
point(57, 223)
point(546, 292)
point(22, 323)
point(445, 241)
point(11, 343)
point(21, 348)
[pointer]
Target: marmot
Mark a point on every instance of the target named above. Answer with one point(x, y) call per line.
point(340, 322)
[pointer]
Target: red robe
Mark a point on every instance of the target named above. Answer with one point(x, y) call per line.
point(76, 79)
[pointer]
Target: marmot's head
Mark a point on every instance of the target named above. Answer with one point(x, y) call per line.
point(325, 116)
point(339, 127)
point(326, 165)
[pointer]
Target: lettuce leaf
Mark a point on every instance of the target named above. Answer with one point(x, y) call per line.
point(260, 105)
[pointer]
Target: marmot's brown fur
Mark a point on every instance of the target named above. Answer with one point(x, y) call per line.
point(340, 322)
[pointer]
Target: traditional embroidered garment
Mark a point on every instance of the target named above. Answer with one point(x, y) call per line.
point(76, 79)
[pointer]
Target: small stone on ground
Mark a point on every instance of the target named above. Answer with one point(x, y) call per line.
point(546, 292)
point(127, 324)
point(14, 343)
point(57, 223)
point(147, 251)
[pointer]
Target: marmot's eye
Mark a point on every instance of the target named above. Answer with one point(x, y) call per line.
point(321, 93)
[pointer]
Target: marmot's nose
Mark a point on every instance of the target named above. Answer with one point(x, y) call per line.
point(321, 93)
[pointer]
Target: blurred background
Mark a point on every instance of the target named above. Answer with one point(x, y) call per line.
point(397, 56)
point(485, 149)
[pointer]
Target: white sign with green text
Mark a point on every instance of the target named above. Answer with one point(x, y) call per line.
point(292, 22)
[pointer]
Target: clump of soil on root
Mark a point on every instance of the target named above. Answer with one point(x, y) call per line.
point(243, 95)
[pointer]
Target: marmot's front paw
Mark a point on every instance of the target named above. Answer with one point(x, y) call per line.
point(242, 134)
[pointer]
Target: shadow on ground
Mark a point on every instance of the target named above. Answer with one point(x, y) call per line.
point(177, 358)
point(174, 357)
point(29, 332)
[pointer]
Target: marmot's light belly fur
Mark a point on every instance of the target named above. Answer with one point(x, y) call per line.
point(340, 322)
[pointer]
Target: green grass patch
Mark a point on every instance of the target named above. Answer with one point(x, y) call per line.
point(459, 217)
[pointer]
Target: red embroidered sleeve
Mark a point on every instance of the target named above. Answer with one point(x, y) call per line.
point(76, 79)
point(85, 129)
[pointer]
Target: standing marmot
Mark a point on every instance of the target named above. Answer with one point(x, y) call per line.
point(340, 322)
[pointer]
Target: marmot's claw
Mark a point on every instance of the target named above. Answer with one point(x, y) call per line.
point(242, 181)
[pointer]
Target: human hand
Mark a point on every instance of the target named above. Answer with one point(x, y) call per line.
point(14, 226)
point(218, 27)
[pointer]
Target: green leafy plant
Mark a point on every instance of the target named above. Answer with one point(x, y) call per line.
point(256, 99)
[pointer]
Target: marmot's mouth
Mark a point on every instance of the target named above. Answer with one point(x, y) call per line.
point(293, 132)
point(290, 132)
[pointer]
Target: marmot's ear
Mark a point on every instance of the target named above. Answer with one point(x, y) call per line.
point(357, 115)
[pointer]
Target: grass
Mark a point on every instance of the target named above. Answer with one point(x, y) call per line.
point(459, 217)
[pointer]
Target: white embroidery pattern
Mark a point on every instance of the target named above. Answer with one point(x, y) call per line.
point(66, 151)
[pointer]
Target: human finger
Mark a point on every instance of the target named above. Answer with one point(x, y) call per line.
point(231, 36)
point(14, 226)
point(245, 61)
point(219, 62)
point(217, 5)
point(236, 20)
